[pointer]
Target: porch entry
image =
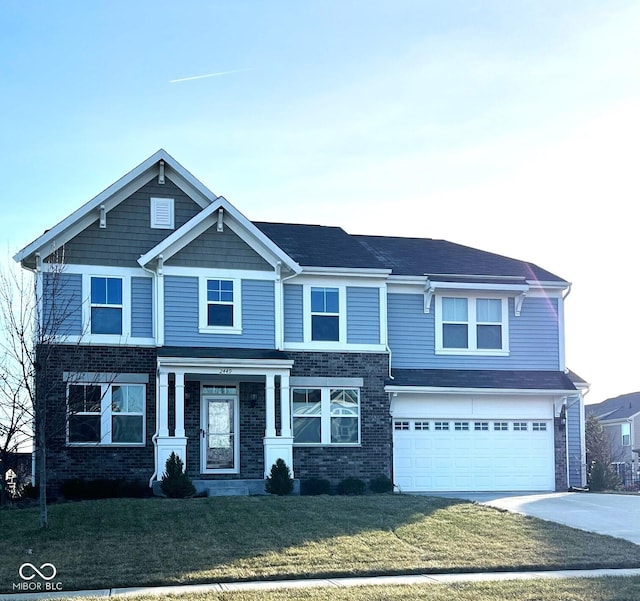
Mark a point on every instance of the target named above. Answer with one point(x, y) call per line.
point(219, 433)
point(219, 428)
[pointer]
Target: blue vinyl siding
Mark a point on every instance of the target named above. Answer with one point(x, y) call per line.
point(181, 315)
point(293, 317)
point(62, 304)
point(363, 315)
point(533, 337)
point(141, 307)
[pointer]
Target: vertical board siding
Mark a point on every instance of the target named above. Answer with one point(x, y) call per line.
point(62, 304)
point(293, 317)
point(574, 440)
point(533, 337)
point(141, 307)
point(181, 315)
point(363, 315)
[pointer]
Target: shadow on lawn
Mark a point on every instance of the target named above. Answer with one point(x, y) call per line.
point(134, 542)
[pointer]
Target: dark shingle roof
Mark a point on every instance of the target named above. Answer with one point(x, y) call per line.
point(323, 246)
point(496, 378)
point(620, 407)
point(419, 256)
point(320, 246)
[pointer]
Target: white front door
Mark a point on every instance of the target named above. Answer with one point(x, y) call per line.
point(220, 448)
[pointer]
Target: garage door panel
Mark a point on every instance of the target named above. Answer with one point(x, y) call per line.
point(475, 456)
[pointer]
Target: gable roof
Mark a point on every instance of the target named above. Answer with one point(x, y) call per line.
point(426, 256)
point(206, 219)
point(112, 196)
point(624, 406)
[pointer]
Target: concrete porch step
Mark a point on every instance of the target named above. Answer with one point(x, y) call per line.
point(229, 488)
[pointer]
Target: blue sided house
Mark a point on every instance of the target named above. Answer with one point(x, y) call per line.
point(188, 328)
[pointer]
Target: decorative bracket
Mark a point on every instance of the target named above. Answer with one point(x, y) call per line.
point(517, 304)
point(428, 295)
point(161, 173)
point(103, 217)
point(160, 264)
point(220, 227)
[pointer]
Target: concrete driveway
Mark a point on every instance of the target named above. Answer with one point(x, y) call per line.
point(615, 515)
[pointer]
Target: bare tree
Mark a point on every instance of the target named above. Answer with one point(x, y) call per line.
point(33, 320)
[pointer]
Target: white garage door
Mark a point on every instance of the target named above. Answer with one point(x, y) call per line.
point(441, 454)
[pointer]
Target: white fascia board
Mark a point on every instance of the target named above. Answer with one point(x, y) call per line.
point(470, 286)
point(478, 391)
point(346, 271)
point(205, 364)
point(207, 218)
point(112, 196)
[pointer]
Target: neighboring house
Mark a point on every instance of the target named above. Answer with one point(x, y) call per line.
point(18, 471)
point(620, 417)
point(233, 343)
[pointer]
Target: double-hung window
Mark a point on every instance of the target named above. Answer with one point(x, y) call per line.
point(471, 325)
point(326, 415)
point(106, 305)
point(625, 431)
point(325, 314)
point(220, 306)
point(106, 414)
point(220, 303)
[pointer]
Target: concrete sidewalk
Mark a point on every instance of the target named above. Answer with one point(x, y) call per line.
point(322, 582)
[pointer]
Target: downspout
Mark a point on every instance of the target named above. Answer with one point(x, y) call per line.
point(154, 438)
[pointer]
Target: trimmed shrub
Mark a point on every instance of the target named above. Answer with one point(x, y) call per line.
point(102, 488)
point(175, 482)
point(315, 486)
point(380, 484)
point(351, 486)
point(279, 482)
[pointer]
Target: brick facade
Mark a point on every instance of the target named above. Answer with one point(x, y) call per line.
point(66, 462)
point(560, 444)
point(369, 459)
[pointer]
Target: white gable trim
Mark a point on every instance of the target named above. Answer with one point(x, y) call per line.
point(83, 217)
point(233, 219)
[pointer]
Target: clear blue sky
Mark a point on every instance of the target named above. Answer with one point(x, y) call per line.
point(508, 126)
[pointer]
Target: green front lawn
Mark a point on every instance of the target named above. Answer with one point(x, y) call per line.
point(133, 542)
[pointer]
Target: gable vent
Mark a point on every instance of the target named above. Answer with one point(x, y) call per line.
point(162, 213)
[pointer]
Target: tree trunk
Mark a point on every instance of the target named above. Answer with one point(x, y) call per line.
point(42, 468)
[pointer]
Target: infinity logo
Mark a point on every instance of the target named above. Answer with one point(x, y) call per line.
point(39, 572)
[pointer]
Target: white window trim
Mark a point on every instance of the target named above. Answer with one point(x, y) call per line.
point(106, 415)
point(155, 203)
point(325, 417)
point(203, 326)
point(342, 317)
point(472, 326)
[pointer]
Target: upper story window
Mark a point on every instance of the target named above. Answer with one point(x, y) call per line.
point(162, 213)
point(325, 314)
point(220, 306)
point(625, 431)
point(106, 414)
point(326, 415)
point(106, 305)
point(471, 325)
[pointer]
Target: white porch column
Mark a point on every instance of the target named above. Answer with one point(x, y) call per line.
point(278, 447)
point(179, 433)
point(285, 406)
point(270, 400)
point(163, 404)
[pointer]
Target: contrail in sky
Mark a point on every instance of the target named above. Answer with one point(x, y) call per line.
point(217, 74)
